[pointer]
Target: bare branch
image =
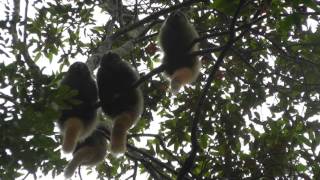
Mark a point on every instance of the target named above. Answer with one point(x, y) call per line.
point(26, 176)
point(25, 22)
point(79, 172)
point(134, 175)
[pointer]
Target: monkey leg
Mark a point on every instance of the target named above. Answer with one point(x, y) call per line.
point(181, 77)
point(121, 125)
point(82, 156)
point(72, 130)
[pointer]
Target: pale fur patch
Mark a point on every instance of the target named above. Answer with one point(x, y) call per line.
point(184, 76)
point(121, 125)
point(76, 124)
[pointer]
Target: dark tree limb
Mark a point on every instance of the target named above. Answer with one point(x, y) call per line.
point(26, 176)
point(206, 51)
point(162, 144)
point(8, 98)
point(134, 175)
point(144, 78)
point(25, 22)
point(153, 17)
point(153, 161)
point(194, 129)
point(147, 165)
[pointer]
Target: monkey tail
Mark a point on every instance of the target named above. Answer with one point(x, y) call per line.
point(121, 125)
point(73, 128)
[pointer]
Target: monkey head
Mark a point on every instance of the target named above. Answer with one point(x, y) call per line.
point(177, 18)
point(109, 58)
point(80, 69)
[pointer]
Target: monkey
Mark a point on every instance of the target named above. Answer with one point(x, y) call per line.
point(78, 122)
point(89, 152)
point(176, 39)
point(119, 101)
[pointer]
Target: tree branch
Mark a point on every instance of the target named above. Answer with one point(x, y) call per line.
point(194, 142)
point(162, 144)
point(26, 176)
point(134, 175)
point(148, 165)
point(133, 149)
point(153, 159)
point(153, 17)
point(8, 98)
point(25, 22)
point(79, 172)
point(206, 51)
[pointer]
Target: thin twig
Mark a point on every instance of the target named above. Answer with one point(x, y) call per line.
point(25, 177)
point(144, 78)
point(148, 165)
point(79, 172)
point(134, 175)
point(25, 22)
point(206, 51)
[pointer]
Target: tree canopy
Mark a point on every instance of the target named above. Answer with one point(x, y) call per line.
point(252, 113)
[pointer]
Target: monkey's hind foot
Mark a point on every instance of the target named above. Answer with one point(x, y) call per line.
point(118, 142)
point(181, 77)
point(73, 128)
point(119, 134)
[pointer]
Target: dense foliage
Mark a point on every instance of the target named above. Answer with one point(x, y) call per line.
point(252, 113)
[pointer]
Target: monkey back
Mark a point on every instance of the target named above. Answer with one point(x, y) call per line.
point(79, 78)
point(115, 78)
point(177, 34)
point(176, 37)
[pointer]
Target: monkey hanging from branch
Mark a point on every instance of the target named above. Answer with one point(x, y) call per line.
point(122, 103)
point(176, 39)
point(78, 122)
point(89, 152)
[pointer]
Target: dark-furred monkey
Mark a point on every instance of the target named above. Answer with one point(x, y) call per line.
point(176, 37)
point(89, 152)
point(79, 121)
point(122, 103)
